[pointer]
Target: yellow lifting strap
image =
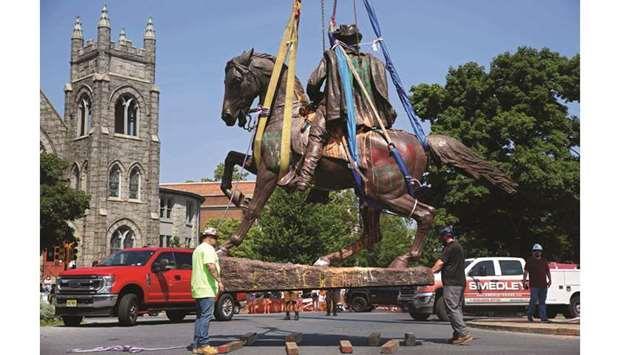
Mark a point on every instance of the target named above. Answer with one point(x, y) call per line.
point(287, 49)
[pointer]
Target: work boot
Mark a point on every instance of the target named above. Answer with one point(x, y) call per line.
point(463, 340)
point(296, 315)
point(314, 150)
point(288, 316)
point(205, 349)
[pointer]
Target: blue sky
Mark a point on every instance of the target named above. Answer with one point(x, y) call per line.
point(195, 39)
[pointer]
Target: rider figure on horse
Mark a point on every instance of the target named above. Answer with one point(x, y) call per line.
point(330, 115)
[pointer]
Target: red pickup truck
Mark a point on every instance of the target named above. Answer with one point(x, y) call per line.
point(133, 282)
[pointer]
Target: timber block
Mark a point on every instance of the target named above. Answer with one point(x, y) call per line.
point(248, 338)
point(230, 346)
point(294, 337)
point(374, 339)
point(390, 347)
point(346, 347)
point(253, 275)
point(409, 339)
point(291, 348)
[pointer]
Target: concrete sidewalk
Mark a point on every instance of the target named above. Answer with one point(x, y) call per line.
point(556, 327)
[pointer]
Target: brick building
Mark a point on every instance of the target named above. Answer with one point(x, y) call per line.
point(215, 204)
point(110, 135)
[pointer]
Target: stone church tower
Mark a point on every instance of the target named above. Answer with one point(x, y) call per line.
point(111, 116)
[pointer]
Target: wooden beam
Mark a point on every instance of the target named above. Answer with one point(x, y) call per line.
point(240, 274)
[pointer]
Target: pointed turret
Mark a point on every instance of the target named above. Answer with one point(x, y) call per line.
point(122, 37)
point(104, 19)
point(77, 38)
point(77, 29)
point(149, 46)
point(104, 28)
point(149, 31)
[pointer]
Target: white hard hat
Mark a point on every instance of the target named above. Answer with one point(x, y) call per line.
point(210, 232)
point(537, 247)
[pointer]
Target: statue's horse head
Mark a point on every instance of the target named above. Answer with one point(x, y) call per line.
point(241, 86)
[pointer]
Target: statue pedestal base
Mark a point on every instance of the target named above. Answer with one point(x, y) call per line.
point(252, 275)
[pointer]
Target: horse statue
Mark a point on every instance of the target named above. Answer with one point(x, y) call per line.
point(247, 77)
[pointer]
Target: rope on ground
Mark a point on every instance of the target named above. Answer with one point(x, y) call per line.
point(123, 348)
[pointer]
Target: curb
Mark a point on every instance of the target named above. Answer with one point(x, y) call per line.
point(521, 329)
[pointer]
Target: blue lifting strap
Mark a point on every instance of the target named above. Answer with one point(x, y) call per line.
point(402, 95)
point(347, 88)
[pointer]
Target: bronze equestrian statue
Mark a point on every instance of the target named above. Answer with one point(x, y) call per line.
point(331, 110)
point(247, 77)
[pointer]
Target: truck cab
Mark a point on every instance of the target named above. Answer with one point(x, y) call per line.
point(133, 282)
point(494, 284)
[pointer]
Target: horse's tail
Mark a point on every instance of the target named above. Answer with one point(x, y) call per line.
point(448, 150)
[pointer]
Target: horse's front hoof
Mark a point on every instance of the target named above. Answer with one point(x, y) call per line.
point(321, 262)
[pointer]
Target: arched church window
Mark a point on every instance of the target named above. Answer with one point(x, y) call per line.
point(75, 177)
point(114, 181)
point(122, 238)
point(134, 183)
point(126, 115)
point(84, 115)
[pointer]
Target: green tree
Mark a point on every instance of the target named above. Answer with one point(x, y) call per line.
point(238, 174)
point(59, 203)
point(289, 230)
point(515, 115)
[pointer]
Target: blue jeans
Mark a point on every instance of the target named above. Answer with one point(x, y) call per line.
point(538, 295)
point(204, 314)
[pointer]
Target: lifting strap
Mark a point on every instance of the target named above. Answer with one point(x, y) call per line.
point(402, 95)
point(348, 90)
point(287, 50)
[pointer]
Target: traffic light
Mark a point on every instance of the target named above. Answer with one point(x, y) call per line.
point(62, 253)
point(74, 251)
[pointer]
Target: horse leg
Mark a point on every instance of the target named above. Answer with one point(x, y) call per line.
point(232, 159)
point(265, 184)
point(407, 206)
point(371, 236)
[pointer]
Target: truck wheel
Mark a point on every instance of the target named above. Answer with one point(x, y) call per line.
point(416, 315)
point(224, 307)
point(440, 309)
point(359, 304)
point(175, 316)
point(72, 321)
point(128, 309)
point(574, 309)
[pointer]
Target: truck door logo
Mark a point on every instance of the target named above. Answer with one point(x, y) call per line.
point(495, 286)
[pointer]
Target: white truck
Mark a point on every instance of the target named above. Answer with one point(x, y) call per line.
point(494, 284)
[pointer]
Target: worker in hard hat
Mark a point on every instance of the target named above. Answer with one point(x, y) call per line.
point(537, 268)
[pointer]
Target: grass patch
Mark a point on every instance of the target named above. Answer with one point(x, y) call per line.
point(46, 315)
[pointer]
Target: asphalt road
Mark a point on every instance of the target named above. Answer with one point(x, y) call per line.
point(321, 335)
